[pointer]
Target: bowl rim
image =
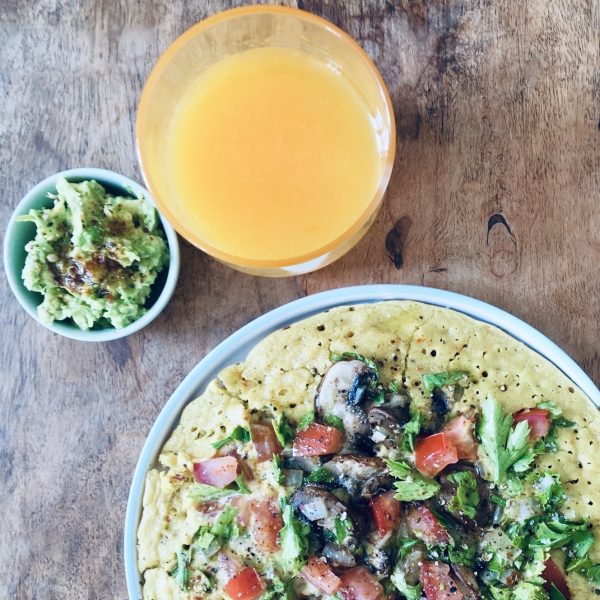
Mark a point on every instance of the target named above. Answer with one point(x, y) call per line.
point(388, 164)
point(13, 271)
point(249, 335)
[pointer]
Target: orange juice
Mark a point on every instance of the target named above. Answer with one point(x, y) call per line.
point(271, 155)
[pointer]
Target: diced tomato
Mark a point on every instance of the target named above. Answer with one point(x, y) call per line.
point(459, 431)
point(434, 453)
point(359, 584)
point(553, 575)
point(437, 583)
point(426, 527)
point(219, 471)
point(265, 525)
point(243, 505)
point(246, 585)
point(386, 512)
point(538, 420)
point(319, 574)
point(318, 439)
point(243, 467)
point(265, 441)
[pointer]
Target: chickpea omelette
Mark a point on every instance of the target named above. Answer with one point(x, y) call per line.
point(393, 450)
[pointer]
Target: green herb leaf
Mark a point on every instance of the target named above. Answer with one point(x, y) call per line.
point(503, 446)
point(498, 500)
point(552, 408)
point(279, 590)
point(283, 430)
point(278, 468)
point(562, 422)
point(355, 356)
point(437, 380)
point(410, 484)
point(593, 574)
point(557, 532)
point(334, 421)
point(549, 490)
point(343, 529)
point(379, 396)
point(466, 499)
point(320, 475)
point(241, 484)
point(462, 555)
point(222, 530)
point(306, 420)
point(410, 592)
point(202, 492)
point(181, 572)
point(412, 429)
point(293, 539)
point(404, 547)
point(239, 434)
point(555, 593)
point(393, 386)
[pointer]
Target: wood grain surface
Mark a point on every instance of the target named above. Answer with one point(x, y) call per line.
point(495, 194)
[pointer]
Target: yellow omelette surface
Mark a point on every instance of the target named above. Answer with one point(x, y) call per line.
point(282, 373)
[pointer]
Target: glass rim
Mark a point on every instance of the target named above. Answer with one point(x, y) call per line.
point(144, 107)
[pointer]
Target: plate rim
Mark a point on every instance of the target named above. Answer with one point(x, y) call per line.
point(250, 334)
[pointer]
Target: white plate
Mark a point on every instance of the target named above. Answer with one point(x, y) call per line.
point(236, 347)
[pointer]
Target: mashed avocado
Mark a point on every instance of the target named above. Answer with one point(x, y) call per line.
point(94, 257)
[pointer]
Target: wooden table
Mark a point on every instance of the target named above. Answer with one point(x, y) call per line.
point(494, 194)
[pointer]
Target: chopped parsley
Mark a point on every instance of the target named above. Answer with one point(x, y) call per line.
point(293, 539)
point(320, 475)
point(410, 592)
point(505, 446)
point(202, 492)
point(283, 430)
point(334, 421)
point(221, 531)
point(549, 490)
point(279, 590)
point(343, 529)
point(355, 356)
point(239, 434)
point(411, 429)
point(306, 420)
point(410, 484)
point(278, 468)
point(241, 485)
point(431, 381)
point(466, 499)
point(181, 572)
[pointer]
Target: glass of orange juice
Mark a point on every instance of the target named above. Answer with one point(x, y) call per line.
point(266, 136)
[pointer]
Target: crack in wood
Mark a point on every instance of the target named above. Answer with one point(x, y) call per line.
point(498, 219)
point(396, 239)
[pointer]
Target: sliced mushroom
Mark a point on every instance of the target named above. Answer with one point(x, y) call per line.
point(485, 509)
point(410, 565)
point(338, 556)
point(466, 582)
point(360, 476)
point(386, 427)
point(440, 403)
point(341, 392)
point(321, 507)
point(304, 463)
point(398, 401)
point(376, 556)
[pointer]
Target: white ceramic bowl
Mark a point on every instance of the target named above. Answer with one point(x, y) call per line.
point(236, 347)
point(19, 233)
